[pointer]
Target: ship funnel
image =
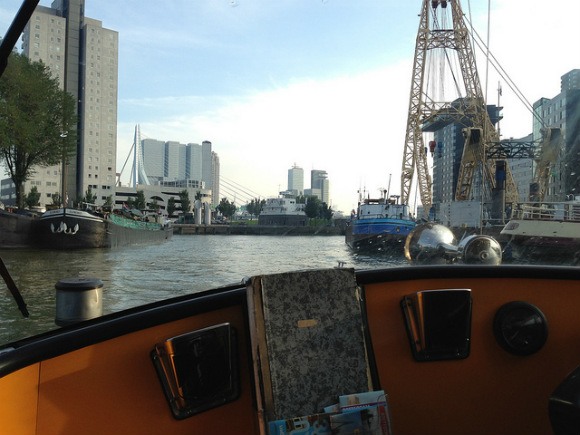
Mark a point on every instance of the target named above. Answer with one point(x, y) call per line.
point(432, 243)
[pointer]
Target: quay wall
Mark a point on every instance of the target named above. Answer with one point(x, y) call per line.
point(257, 230)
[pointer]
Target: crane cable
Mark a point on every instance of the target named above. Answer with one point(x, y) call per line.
point(502, 72)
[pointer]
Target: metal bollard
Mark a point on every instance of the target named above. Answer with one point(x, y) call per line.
point(78, 299)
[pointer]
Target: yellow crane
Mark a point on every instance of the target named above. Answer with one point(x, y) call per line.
point(433, 34)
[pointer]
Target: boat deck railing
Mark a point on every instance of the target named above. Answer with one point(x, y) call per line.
point(384, 216)
point(548, 211)
point(136, 224)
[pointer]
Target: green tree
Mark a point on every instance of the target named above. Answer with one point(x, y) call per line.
point(171, 206)
point(228, 209)
point(89, 197)
point(108, 205)
point(255, 206)
point(313, 207)
point(185, 201)
point(33, 197)
point(326, 212)
point(140, 203)
point(37, 120)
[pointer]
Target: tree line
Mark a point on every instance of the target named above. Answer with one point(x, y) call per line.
point(314, 207)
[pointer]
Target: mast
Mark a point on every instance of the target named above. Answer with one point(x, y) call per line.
point(135, 154)
point(63, 173)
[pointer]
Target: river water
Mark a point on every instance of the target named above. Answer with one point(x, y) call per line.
point(135, 275)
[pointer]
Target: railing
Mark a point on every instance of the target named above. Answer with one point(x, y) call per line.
point(130, 223)
point(553, 211)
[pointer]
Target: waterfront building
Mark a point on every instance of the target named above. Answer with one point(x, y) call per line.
point(83, 55)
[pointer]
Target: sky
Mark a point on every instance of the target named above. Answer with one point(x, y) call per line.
point(323, 84)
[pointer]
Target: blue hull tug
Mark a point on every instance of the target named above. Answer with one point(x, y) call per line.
point(379, 225)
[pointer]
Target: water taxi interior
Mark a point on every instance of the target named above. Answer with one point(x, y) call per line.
point(457, 349)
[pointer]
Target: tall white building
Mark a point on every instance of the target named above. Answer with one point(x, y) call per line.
point(153, 159)
point(83, 55)
point(296, 180)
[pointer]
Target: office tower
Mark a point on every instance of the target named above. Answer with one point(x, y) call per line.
point(173, 162)
point(319, 183)
point(193, 161)
point(215, 181)
point(210, 171)
point(83, 55)
point(153, 158)
point(296, 180)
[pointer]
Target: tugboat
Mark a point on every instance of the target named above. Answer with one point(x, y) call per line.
point(379, 225)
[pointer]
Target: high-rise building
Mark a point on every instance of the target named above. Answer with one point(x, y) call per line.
point(319, 183)
point(153, 160)
point(563, 112)
point(173, 162)
point(296, 180)
point(210, 170)
point(447, 154)
point(83, 55)
point(523, 171)
point(215, 181)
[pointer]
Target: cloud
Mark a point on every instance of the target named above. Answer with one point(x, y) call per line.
point(352, 127)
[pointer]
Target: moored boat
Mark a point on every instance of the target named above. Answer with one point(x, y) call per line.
point(544, 229)
point(16, 229)
point(67, 228)
point(379, 225)
point(283, 210)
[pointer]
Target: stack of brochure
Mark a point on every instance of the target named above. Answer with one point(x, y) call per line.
point(362, 414)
